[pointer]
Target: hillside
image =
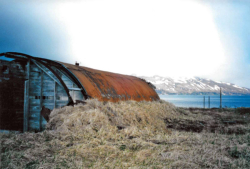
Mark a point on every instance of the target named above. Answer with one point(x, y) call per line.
point(133, 134)
point(195, 85)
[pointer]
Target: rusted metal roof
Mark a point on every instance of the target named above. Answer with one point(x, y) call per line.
point(107, 86)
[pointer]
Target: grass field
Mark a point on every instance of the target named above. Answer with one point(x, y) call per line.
point(133, 135)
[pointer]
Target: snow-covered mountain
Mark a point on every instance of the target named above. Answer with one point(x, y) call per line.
point(194, 85)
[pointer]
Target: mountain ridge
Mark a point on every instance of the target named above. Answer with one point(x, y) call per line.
point(193, 86)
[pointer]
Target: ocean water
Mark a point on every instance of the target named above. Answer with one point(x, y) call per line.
point(197, 100)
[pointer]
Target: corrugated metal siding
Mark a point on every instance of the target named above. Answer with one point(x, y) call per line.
point(107, 86)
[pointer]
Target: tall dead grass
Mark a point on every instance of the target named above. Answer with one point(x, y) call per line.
point(126, 134)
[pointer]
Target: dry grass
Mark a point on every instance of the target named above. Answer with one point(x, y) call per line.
point(132, 134)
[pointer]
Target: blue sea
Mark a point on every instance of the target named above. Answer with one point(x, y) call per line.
point(197, 100)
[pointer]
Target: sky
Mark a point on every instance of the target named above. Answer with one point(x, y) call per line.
point(208, 39)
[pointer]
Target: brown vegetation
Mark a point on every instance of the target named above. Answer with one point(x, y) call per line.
point(133, 134)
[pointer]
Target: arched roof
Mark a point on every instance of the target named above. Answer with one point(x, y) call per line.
point(107, 86)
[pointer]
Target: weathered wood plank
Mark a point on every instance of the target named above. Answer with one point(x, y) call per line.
point(48, 104)
point(26, 106)
point(35, 107)
point(34, 68)
point(68, 83)
point(47, 80)
point(35, 115)
point(45, 93)
point(62, 93)
point(48, 72)
point(34, 101)
point(62, 101)
point(26, 99)
point(35, 83)
point(49, 100)
point(75, 89)
point(35, 88)
point(34, 93)
point(35, 75)
point(78, 95)
point(33, 125)
point(64, 78)
point(41, 101)
point(54, 94)
point(35, 80)
point(72, 95)
point(60, 105)
point(62, 98)
point(44, 122)
point(75, 86)
point(49, 85)
point(46, 77)
point(60, 88)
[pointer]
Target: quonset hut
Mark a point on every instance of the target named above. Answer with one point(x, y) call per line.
point(30, 85)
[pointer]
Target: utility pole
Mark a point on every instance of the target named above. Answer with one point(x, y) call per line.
point(220, 99)
point(204, 102)
point(209, 102)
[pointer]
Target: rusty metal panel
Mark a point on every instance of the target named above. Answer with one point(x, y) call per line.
point(107, 86)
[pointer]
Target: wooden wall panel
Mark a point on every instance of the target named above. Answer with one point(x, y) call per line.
point(18, 103)
point(12, 82)
point(41, 94)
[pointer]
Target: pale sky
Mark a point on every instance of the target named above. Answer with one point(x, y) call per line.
point(208, 39)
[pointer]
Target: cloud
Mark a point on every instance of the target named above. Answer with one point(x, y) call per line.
point(143, 37)
point(233, 24)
